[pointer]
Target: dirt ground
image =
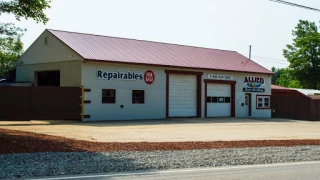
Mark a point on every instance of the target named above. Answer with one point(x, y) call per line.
point(12, 141)
point(174, 130)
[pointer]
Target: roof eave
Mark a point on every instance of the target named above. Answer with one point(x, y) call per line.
point(170, 66)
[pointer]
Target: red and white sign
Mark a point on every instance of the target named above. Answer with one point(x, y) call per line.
point(149, 77)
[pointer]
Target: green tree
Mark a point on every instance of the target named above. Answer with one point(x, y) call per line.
point(304, 55)
point(277, 73)
point(11, 46)
point(283, 77)
point(26, 8)
point(286, 79)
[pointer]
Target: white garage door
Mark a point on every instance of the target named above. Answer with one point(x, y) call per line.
point(218, 100)
point(182, 95)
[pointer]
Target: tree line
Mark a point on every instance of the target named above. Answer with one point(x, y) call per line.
point(304, 58)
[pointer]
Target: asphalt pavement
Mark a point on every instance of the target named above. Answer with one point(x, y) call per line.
point(283, 171)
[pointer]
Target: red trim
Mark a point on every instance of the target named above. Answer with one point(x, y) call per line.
point(257, 101)
point(183, 72)
point(219, 81)
point(199, 98)
point(233, 92)
point(233, 100)
point(205, 99)
point(168, 66)
point(167, 95)
point(199, 77)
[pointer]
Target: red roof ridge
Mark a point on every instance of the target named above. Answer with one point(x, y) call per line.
point(142, 40)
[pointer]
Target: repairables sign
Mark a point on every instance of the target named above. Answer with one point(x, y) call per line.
point(148, 76)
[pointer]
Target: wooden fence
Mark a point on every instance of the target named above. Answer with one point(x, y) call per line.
point(294, 105)
point(45, 103)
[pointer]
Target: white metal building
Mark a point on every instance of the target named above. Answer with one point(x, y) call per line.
point(126, 79)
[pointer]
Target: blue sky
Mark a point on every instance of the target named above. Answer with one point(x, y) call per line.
point(220, 24)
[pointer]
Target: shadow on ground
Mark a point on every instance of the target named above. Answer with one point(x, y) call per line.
point(149, 122)
point(183, 121)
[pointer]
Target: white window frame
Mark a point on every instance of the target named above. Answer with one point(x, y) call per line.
point(262, 103)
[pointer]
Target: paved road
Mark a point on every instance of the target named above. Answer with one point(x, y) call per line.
point(287, 171)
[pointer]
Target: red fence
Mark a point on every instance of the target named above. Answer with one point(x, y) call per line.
point(294, 105)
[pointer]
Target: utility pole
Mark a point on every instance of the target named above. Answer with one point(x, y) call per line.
point(250, 52)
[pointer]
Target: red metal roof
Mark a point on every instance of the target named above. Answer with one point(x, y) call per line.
point(281, 88)
point(121, 50)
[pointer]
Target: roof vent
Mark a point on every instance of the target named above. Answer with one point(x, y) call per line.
point(46, 40)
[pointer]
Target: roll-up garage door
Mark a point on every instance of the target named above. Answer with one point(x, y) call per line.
point(182, 95)
point(218, 100)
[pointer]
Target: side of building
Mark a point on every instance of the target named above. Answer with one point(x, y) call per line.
point(112, 97)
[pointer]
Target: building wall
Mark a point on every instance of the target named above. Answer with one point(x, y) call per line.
point(240, 95)
point(53, 55)
point(70, 72)
point(153, 108)
point(53, 51)
point(155, 94)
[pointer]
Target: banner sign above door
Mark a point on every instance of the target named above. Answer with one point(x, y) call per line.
point(220, 77)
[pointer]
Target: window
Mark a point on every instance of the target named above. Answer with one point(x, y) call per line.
point(214, 99)
point(263, 102)
point(218, 99)
point(137, 96)
point(108, 96)
point(221, 99)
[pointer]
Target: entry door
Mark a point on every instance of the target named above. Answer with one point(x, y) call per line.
point(247, 105)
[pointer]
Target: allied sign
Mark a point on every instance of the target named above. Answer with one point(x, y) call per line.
point(253, 84)
point(219, 77)
point(148, 76)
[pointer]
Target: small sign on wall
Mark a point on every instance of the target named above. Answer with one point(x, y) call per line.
point(220, 77)
point(253, 90)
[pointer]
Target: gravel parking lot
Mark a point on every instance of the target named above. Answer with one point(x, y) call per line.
point(174, 130)
point(69, 163)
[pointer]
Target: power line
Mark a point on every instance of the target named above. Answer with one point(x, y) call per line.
point(271, 58)
point(267, 58)
point(260, 60)
point(295, 5)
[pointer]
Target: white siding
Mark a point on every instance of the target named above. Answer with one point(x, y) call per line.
point(182, 95)
point(155, 94)
point(240, 110)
